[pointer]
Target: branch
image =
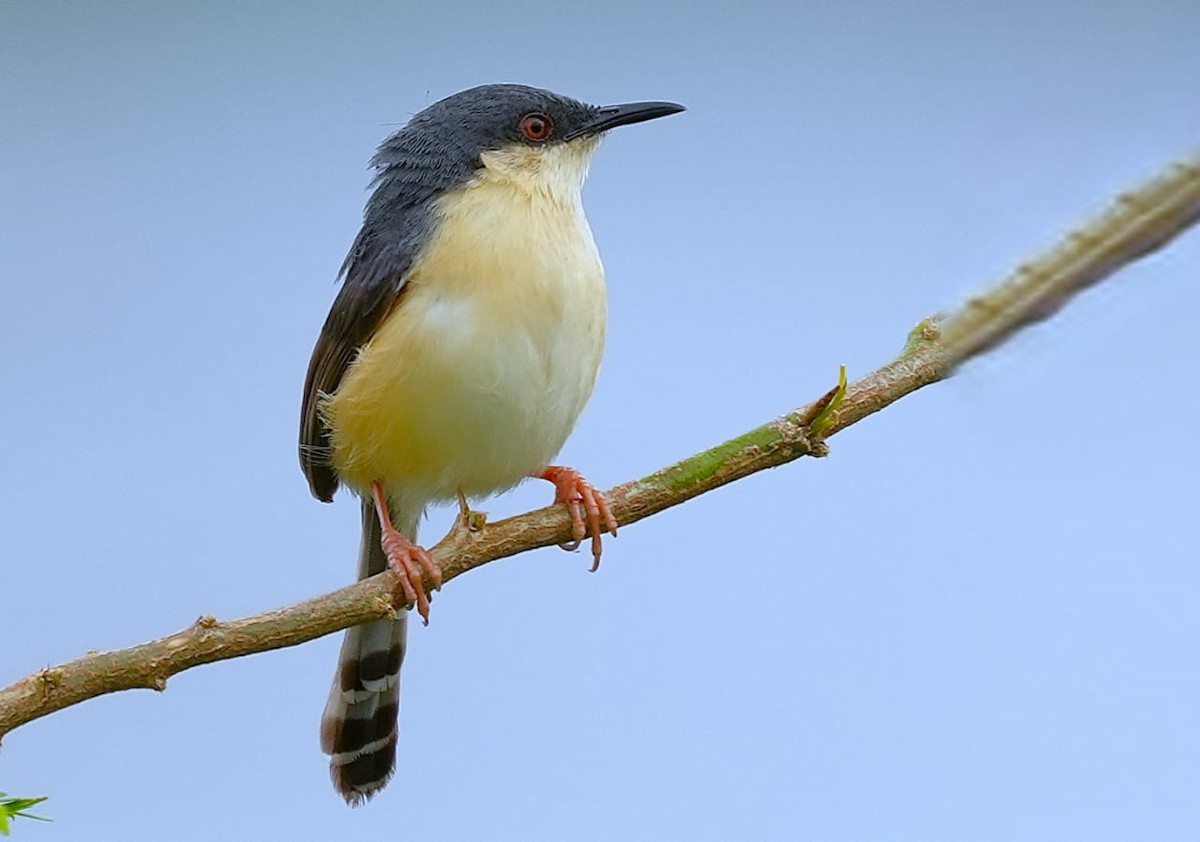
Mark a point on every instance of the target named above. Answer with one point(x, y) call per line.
point(1138, 223)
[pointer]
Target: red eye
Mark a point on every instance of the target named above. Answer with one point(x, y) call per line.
point(536, 126)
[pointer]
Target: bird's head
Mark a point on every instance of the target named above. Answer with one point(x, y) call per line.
point(531, 137)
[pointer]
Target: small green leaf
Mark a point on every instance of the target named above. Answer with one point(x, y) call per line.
point(11, 808)
point(826, 407)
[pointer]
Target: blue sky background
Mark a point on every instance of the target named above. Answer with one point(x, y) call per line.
point(977, 620)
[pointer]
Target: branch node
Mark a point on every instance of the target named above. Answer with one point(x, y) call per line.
point(49, 679)
point(388, 605)
point(931, 329)
point(927, 332)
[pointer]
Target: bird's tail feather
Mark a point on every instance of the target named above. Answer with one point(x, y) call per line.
point(359, 726)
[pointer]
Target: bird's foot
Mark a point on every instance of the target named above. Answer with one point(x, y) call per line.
point(411, 563)
point(589, 510)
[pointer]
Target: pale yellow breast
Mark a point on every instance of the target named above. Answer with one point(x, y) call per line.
point(479, 375)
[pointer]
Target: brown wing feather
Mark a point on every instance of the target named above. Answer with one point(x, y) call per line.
point(375, 279)
point(411, 171)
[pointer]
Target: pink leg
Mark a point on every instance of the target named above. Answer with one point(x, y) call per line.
point(410, 562)
point(581, 499)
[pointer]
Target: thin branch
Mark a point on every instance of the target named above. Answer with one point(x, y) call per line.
point(1138, 223)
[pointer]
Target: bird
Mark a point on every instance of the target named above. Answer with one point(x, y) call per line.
point(456, 358)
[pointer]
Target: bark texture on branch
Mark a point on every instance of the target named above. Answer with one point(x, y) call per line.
point(1138, 223)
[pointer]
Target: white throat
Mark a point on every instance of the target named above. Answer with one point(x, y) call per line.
point(555, 171)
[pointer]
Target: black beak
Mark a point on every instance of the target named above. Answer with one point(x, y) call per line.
point(611, 116)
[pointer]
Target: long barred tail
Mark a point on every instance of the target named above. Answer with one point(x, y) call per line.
point(359, 726)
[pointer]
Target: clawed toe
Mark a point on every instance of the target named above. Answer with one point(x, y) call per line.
point(589, 510)
point(410, 563)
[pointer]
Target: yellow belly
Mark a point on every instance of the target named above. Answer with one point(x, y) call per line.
point(479, 375)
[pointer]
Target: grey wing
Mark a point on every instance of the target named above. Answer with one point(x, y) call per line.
point(375, 273)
